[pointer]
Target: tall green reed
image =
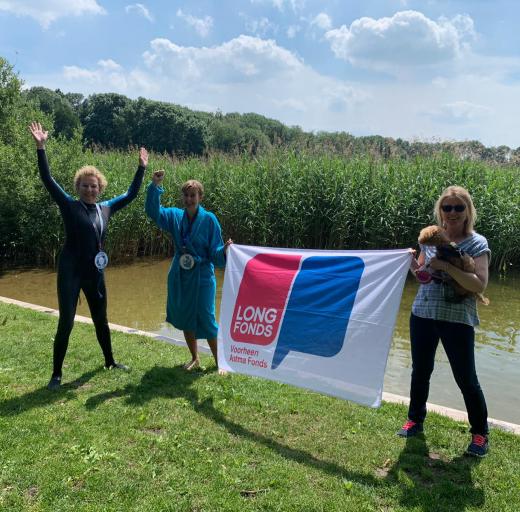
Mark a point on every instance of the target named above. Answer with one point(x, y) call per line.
point(293, 199)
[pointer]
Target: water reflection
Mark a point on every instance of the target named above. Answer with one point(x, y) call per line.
point(137, 298)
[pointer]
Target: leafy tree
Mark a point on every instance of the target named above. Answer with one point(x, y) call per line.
point(66, 120)
point(515, 157)
point(165, 127)
point(75, 99)
point(10, 100)
point(101, 117)
point(224, 136)
point(17, 161)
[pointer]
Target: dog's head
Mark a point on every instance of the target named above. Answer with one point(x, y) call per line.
point(449, 252)
point(433, 235)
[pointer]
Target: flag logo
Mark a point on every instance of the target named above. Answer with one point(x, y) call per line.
point(301, 303)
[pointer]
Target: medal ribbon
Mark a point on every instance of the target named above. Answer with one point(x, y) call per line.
point(99, 233)
point(186, 236)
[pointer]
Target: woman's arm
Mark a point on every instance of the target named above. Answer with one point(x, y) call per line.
point(473, 282)
point(123, 200)
point(40, 137)
point(152, 205)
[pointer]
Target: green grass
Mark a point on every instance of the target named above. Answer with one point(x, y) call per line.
point(159, 439)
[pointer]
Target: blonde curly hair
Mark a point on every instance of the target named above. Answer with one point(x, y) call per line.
point(90, 170)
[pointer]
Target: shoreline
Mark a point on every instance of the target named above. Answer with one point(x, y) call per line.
point(454, 414)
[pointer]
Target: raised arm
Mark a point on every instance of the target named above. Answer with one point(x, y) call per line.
point(123, 200)
point(153, 207)
point(40, 137)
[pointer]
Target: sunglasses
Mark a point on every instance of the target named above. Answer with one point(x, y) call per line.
point(448, 207)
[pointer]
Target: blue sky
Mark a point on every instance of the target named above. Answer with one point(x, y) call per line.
point(419, 70)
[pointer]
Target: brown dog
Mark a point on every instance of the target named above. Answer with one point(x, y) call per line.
point(448, 251)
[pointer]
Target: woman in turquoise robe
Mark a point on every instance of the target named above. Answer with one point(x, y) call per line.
point(195, 231)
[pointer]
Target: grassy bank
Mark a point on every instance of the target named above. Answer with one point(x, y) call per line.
point(281, 199)
point(161, 439)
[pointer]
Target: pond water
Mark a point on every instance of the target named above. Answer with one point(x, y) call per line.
point(137, 297)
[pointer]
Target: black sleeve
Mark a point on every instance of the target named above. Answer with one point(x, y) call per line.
point(56, 192)
point(123, 200)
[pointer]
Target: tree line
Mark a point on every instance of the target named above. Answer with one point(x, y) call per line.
point(115, 121)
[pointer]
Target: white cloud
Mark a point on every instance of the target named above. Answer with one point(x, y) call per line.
point(244, 58)
point(440, 82)
point(295, 5)
point(291, 104)
point(108, 76)
point(407, 39)
point(75, 72)
point(47, 11)
point(464, 25)
point(251, 74)
point(468, 107)
point(244, 74)
point(459, 112)
point(201, 25)
point(106, 70)
point(109, 65)
point(248, 73)
point(260, 27)
point(323, 21)
point(292, 30)
point(140, 9)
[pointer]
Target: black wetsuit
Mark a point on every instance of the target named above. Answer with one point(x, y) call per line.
point(76, 269)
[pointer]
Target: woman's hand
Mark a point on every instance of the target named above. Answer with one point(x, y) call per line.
point(38, 134)
point(158, 177)
point(143, 157)
point(414, 264)
point(227, 244)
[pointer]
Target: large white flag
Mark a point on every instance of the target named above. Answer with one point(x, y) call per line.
point(321, 320)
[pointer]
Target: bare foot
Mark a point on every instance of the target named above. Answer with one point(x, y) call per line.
point(192, 365)
point(222, 372)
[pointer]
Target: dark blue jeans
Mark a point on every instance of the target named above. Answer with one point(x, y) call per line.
point(458, 341)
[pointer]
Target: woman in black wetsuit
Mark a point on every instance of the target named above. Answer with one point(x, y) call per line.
point(82, 258)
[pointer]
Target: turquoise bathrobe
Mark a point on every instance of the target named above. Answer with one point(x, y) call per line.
point(190, 304)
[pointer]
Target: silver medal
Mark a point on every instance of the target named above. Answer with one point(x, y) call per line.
point(187, 261)
point(101, 260)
